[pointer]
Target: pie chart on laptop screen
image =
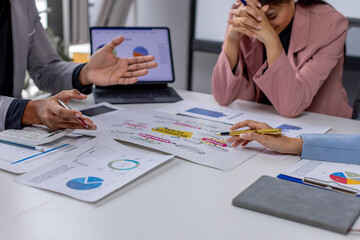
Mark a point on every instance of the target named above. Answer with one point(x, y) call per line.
point(140, 51)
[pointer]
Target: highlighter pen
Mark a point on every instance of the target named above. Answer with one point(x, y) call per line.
point(35, 148)
point(244, 2)
point(274, 131)
point(79, 119)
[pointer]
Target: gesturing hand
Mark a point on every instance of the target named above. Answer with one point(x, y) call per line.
point(51, 114)
point(104, 68)
point(278, 143)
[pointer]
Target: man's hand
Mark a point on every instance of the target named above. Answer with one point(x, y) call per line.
point(51, 114)
point(104, 68)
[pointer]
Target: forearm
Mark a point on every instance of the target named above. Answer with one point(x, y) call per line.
point(231, 49)
point(274, 49)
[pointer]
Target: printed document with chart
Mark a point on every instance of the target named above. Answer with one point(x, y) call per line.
point(339, 176)
point(217, 113)
point(20, 160)
point(93, 170)
point(189, 138)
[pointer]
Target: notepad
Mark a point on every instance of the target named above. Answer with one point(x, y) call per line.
point(301, 203)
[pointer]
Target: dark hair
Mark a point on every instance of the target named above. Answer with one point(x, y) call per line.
point(300, 2)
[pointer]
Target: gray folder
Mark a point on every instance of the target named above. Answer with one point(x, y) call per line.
point(301, 203)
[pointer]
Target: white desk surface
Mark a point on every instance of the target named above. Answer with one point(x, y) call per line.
point(179, 200)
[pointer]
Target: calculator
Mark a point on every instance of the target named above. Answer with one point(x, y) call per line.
point(33, 135)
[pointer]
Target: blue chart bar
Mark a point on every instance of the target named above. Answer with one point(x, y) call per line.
point(286, 127)
point(206, 112)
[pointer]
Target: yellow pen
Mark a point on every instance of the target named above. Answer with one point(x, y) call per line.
point(261, 131)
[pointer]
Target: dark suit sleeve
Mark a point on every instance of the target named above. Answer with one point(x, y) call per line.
point(15, 113)
point(87, 89)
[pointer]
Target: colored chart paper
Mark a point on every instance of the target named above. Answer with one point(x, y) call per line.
point(346, 178)
point(93, 170)
point(227, 115)
point(189, 138)
point(339, 175)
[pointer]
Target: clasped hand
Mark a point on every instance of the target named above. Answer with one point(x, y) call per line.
point(250, 20)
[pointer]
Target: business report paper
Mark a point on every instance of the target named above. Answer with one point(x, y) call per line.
point(93, 170)
point(189, 138)
point(215, 113)
point(20, 160)
point(340, 175)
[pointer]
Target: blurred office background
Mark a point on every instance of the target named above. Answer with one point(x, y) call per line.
point(197, 30)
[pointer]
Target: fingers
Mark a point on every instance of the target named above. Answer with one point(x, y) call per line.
point(265, 8)
point(245, 31)
point(245, 138)
point(247, 11)
point(139, 73)
point(70, 94)
point(54, 121)
point(139, 66)
point(72, 125)
point(244, 22)
point(257, 3)
point(143, 59)
point(251, 124)
point(115, 42)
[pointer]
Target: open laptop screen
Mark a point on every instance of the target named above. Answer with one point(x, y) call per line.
point(139, 42)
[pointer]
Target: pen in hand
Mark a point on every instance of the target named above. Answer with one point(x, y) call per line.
point(79, 119)
point(272, 131)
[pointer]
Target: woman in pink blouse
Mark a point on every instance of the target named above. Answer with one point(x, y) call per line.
point(285, 53)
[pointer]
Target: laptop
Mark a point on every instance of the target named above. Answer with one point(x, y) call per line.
point(139, 41)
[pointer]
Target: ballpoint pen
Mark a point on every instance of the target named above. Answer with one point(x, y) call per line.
point(79, 119)
point(244, 2)
point(274, 131)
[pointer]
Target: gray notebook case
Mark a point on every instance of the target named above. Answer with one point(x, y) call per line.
point(297, 202)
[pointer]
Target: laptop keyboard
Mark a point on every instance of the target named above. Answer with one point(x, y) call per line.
point(139, 95)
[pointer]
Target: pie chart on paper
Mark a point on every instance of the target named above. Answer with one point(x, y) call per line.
point(84, 183)
point(346, 178)
point(140, 52)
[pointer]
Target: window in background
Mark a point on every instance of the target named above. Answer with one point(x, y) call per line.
point(41, 6)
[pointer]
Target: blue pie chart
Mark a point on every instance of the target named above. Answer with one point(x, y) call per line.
point(84, 183)
point(140, 51)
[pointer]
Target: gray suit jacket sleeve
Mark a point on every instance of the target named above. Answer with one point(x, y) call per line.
point(33, 52)
point(46, 68)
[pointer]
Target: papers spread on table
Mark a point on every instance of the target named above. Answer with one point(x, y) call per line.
point(336, 176)
point(19, 160)
point(93, 170)
point(289, 127)
point(189, 138)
